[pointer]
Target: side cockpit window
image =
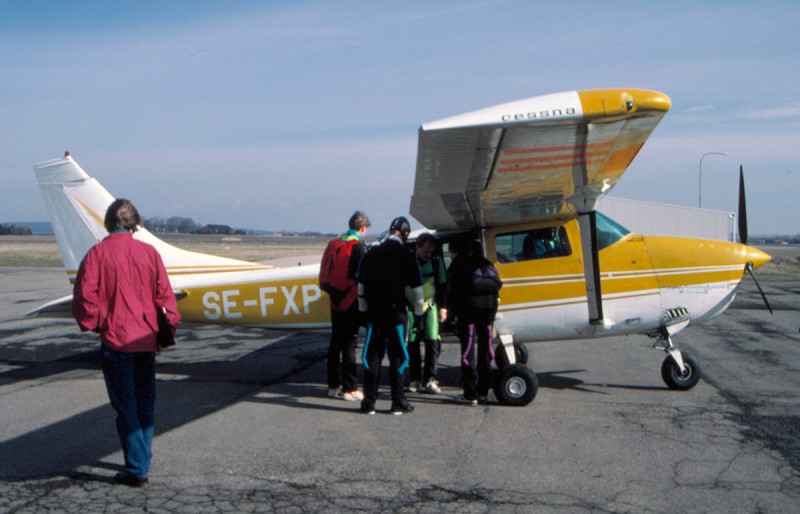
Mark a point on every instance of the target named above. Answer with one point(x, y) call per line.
point(540, 243)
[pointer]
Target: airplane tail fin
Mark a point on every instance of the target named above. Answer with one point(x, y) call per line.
point(77, 204)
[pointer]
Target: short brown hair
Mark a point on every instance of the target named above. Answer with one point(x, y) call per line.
point(358, 221)
point(425, 238)
point(122, 214)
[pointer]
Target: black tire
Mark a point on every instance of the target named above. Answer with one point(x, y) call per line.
point(520, 355)
point(516, 385)
point(672, 376)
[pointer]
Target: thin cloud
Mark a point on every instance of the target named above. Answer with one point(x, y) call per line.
point(790, 111)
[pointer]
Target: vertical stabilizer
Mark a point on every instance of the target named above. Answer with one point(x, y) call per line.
point(77, 204)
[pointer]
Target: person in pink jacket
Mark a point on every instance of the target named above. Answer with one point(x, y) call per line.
point(120, 284)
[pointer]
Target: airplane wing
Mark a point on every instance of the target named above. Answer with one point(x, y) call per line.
point(545, 157)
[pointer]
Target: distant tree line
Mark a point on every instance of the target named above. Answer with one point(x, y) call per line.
point(775, 240)
point(15, 230)
point(180, 225)
point(175, 224)
point(306, 233)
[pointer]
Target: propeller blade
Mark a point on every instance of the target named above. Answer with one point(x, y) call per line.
point(742, 209)
point(749, 268)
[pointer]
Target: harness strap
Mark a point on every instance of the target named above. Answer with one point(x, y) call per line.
point(491, 348)
point(367, 338)
point(401, 339)
point(468, 350)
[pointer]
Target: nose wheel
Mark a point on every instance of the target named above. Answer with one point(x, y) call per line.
point(680, 370)
point(677, 378)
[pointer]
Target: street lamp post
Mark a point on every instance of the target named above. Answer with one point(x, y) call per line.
point(700, 177)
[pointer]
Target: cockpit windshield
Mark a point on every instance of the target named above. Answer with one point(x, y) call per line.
point(609, 231)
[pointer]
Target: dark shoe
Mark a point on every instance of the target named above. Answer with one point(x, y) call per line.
point(483, 400)
point(399, 409)
point(130, 480)
point(367, 407)
point(469, 401)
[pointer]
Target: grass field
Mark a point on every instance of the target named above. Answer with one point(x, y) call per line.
point(42, 251)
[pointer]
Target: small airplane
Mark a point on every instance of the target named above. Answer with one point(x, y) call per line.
point(524, 179)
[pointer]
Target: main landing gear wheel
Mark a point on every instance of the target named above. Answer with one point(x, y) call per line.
point(671, 372)
point(516, 385)
point(520, 355)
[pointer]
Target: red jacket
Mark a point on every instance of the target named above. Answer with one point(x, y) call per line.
point(120, 283)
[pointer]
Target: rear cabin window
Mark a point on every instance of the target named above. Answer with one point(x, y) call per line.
point(541, 243)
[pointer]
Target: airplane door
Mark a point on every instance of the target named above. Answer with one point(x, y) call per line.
point(631, 294)
point(543, 295)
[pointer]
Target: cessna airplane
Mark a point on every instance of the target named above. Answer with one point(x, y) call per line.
point(524, 178)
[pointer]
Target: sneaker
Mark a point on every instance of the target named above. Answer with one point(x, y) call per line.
point(483, 400)
point(334, 392)
point(367, 408)
point(400, 409)
point(463, 399)
point(353, 396)
point(413, 387)
point(433, 387)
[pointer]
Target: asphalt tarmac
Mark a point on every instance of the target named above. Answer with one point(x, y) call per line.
point(244, 424)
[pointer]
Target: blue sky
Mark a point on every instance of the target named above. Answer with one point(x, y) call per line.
point(290, 115)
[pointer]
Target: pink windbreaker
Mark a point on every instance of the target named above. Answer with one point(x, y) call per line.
point(120, 283)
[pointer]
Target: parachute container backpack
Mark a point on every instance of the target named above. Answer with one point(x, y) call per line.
point(333, 274)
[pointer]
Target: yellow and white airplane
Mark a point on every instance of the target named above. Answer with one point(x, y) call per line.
point(522, 177)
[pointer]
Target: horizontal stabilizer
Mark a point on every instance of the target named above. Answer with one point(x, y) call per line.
point(59, 308)
point(62, 307)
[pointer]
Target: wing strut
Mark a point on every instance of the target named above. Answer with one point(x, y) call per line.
point(591, 266)
point(585, 201)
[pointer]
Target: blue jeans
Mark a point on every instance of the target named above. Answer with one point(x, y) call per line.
point(131, 385)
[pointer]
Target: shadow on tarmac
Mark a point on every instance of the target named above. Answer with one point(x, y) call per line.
point(193, 383)
point(202, 388)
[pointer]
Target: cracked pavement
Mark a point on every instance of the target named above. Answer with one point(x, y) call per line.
point(244, 424)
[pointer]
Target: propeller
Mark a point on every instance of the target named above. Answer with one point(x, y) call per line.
point(743, 235)
point(749, 268)
point(742, 209)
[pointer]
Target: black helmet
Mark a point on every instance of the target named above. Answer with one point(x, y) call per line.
point(400, 224)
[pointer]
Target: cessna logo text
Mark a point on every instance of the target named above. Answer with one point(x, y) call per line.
point(546, 113)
